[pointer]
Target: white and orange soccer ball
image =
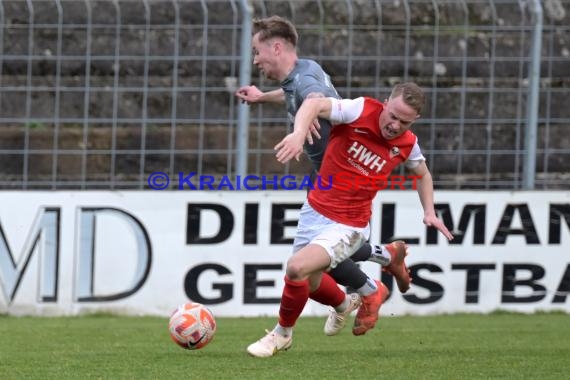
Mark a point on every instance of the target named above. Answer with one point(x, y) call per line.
point(192, 326)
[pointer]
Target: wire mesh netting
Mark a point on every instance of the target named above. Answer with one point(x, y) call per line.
point(99, 94)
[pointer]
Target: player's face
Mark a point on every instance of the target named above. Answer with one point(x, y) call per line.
point(264, 57)
point(396, 118)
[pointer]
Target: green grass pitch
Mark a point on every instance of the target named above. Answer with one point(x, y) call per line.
point(463, 346)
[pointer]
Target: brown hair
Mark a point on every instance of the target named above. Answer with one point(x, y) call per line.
point(275, 26)
point(411, 93)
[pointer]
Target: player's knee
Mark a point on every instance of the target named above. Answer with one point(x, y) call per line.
point(295, 270)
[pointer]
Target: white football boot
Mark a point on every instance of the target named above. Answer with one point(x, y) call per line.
point(270, 345)
point(337, 320)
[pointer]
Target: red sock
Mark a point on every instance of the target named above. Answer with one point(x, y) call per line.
point(295, 296)
point(328, 292)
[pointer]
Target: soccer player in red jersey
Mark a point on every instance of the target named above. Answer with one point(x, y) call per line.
point(274, 48)
point(367, 141)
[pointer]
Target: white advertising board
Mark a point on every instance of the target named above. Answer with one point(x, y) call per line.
point(144, 252)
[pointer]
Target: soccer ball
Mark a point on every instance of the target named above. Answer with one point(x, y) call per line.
point(192, 326)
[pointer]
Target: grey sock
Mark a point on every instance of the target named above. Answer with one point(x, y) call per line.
point(283, 331)
point(380, 255)
point(367, 289)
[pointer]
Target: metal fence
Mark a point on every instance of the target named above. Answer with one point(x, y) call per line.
point(99, 94)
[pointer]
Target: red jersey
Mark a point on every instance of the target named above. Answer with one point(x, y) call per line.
point(357, 163)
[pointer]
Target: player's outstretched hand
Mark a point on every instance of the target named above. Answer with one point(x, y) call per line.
point(249, 94)
point(434, 221)
point(290, 147)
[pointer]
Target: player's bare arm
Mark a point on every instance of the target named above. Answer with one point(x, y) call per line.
point(315, 127)
point(253, 95)
point(292, 145)
point(425, 192)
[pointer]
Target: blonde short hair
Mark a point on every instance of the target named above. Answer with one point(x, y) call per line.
point(275, 26)
point(412, 95)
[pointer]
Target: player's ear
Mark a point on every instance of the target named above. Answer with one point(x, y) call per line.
point(277, 47)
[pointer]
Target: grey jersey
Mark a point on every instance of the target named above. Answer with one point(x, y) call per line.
point(309, 77)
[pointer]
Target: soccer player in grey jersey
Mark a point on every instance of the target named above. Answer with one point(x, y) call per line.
point(308, 80)
point(275, 55)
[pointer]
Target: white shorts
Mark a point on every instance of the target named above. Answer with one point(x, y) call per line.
point(339, 240)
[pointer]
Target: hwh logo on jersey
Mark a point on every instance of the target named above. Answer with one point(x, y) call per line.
point(366, 157)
